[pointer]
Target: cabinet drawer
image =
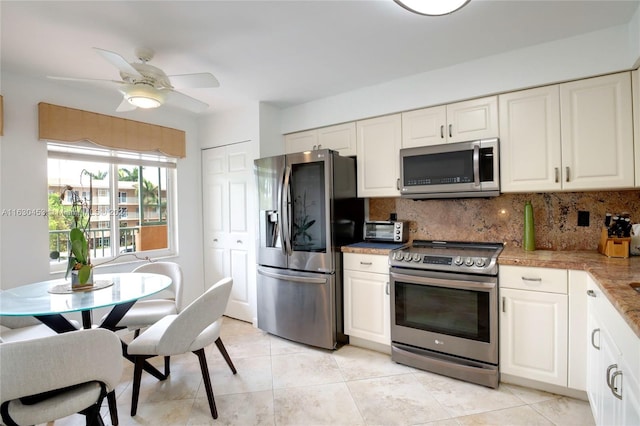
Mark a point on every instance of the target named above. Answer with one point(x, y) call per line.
point(536, 279)
point(366, 262)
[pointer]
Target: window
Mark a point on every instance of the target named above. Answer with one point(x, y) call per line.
point(130, 197)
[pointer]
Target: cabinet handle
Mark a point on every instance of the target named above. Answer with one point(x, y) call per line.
point(366, 263)
point(591, 293)
point(593, 340)
point(398, 184)
point(538, 280)
point(238, 241)
point(450, 127)
point(504, 309)
point(442, 131)
point(567, 176)
point(557, 170)
point(614, 389)
point(608, 375)
point(315, 147)
point(319, 146)
point(387, 288)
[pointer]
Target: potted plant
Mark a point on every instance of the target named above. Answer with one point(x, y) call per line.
point(79, 260)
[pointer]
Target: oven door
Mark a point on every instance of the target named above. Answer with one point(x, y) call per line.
point(454, 314)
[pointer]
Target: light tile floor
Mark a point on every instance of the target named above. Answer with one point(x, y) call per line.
point(283, 383)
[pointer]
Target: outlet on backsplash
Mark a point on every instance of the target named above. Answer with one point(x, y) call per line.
point(583, 218)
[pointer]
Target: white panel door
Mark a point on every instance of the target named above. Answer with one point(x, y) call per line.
point(227, 172)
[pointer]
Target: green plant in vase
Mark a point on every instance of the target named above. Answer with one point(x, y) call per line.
point(79, 261)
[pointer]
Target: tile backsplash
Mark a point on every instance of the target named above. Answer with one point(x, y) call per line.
point(501, 219)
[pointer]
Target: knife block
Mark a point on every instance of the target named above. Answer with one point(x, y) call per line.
point(613, 247)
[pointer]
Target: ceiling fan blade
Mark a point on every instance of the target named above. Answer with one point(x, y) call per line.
point(125, 106)
point(192, 81)
point(183, 101)
point(84, 80)
point(117, 61)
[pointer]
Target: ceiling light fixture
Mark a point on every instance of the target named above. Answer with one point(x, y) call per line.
point(143, 95)
point(432, 7)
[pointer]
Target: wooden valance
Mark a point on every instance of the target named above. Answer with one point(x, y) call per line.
point(58, 123)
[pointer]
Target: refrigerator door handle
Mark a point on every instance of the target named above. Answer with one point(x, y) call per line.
point(298, 279)
point(285, 208)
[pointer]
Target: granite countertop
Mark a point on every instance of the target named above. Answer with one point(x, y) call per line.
point(613, 275)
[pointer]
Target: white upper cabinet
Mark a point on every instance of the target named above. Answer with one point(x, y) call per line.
point(597, 133)
point(378, 150)
point(571, 136)
point(458, 122)
point(530, 153)
point(341, 138)
point(301, 141)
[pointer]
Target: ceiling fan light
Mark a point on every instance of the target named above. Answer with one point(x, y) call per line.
point(432, 7)
point(144, 96)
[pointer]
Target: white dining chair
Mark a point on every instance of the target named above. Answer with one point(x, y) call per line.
point(150, 310)
point(194, 328)
point(48, 378)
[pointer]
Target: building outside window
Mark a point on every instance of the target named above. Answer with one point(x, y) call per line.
point(138, 217)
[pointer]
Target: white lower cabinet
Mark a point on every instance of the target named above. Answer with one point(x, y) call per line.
point(534, 323)
point(613, 360)
point(366, 297)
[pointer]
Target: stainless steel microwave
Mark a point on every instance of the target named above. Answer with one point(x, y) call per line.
point(454, 170)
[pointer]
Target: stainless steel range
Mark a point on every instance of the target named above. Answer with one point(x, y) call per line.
point(444, 309)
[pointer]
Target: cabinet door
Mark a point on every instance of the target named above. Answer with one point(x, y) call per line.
point(597, 133)
point(301, 141)
point(530, 140)
point(533, 335)
point(341, 138)
point(367, 310)
point(424, 127)
point(577, 357)
point(473, 119)
point(378, 148)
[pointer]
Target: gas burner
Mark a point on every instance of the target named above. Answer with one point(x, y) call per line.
point(450, 256)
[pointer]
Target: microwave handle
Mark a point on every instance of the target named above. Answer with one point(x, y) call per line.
point(476, 165)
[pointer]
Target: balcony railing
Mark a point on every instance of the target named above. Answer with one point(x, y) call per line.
point(99, 241)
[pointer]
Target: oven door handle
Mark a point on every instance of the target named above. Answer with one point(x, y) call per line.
point(439, 282)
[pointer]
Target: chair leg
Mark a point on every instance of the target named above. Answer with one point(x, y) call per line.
point(167, 370)
point(137, 376)
point(113, 407)
point(225, 355)
point(207, 381)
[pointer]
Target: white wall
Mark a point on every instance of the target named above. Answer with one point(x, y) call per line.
point(610, 50)
point(23, 174)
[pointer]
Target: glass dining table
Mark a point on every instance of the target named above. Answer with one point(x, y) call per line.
point(49, 300)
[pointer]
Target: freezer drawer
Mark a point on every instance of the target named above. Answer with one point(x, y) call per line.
point(298, 306)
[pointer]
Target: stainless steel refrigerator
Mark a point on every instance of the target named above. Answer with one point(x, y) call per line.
point(307, 210)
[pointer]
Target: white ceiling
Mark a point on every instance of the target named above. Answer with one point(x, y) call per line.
point(282, 52)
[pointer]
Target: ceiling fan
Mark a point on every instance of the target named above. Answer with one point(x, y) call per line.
point(146, 86)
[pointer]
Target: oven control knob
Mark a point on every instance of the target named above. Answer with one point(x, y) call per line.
point(407, 257)
point(416, 257)
point(468, 261)
point(480, 262)
point(458, 260)
point(397, 256)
